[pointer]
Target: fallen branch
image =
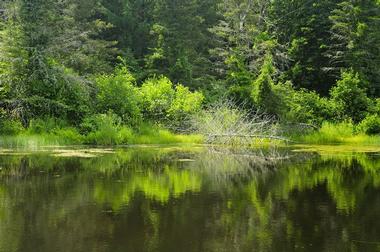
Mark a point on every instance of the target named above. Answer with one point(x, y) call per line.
point(249, 136)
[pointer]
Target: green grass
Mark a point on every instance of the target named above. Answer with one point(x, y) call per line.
point(109, 134)
point(340, 133)
point(65, 136)
point(164, 137)
point(150, 134)
point(120, 136)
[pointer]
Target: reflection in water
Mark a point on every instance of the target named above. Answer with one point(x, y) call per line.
point(173, 199)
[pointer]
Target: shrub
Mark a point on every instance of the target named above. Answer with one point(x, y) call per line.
point(68, 136)
point(375, 106)
point(163, 103)
point(350, 98)
point(10, 127)
point(104, 129)
point(263, 90)
point(125, 135)
point(117, 92)
point(308, 107)
point(370, 125)
point(185, 103)
point(157, 96)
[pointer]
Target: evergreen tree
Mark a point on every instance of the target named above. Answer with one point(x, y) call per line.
point(181, 41)
point(39, 43)
point(263, 93)
point(243, 43)
point(304, 27)
point(356, 40)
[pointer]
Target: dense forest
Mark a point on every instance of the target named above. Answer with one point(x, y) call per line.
point(86, 64)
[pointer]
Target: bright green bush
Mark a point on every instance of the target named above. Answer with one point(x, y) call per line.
point(308, 107)
point(10, 127)
point(105, 129)
point(162, 102)
point(185, 103)
point(125, 135)
point(370, 125)
point(68, 136)
point(375, 106)
point(157, 96)
point(350, 97)
point(117, 92)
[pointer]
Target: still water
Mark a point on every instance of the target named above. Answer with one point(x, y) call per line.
point(188, 199)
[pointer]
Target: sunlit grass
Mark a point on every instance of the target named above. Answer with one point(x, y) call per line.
point(164, 137)
point(69, 136)
point(35, 141)
point(341, 133)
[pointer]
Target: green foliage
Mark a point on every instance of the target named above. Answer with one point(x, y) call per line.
point(45, 125)
point(370, 125)
point(350, 97)
point(179, 40)
point(161, 102)
point(185, 103)
point(355, 40)
point(52, 131)
point(304, 30)
point(107, 129)
point(152, 134)
point(10, 127)
point(308, 107)
point(104, 129)
point(117, 93)
point(264, 94)
point(157, 96)
point(279, 57)
point(330, 133)
point(67, 135)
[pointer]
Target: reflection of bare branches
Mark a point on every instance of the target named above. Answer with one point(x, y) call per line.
point(224, 164)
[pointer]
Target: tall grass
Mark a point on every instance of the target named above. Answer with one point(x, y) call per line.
point(145, 134)
point(106, 131)
point(67, 136)
point(338, 133)
point(47, 131)
point(148, 134)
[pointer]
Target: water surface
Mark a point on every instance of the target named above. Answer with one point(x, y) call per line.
point(188, 199)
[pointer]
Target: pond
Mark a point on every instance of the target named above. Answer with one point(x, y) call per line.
point(173, 198)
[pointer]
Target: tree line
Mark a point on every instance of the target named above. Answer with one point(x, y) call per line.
point(299, 61)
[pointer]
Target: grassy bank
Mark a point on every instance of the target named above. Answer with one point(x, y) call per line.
point(341, 133)
point(107, 132)
point(121, 136)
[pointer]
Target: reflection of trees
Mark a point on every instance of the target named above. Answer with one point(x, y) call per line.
point(318, 204)
point(155, 186)
point(163, 200)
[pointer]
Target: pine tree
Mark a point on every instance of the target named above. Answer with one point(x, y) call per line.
point(304, 28)
point(243, 42)
point(262, 92)
point(356, 40)
point(181, 43)
point(37, 44)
